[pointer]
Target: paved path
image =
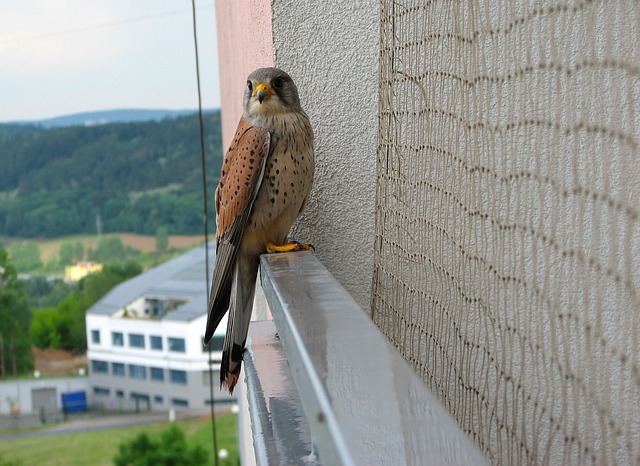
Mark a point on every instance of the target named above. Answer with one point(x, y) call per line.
point(89, 422)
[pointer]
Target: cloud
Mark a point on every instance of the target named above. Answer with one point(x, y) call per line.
point(42, 32)
point(68, 56)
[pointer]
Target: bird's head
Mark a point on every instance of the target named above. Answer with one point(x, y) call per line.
point(270, 91)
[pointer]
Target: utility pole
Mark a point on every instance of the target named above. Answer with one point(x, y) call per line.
point(12, 348)
point(98, 224)
point(3, 372)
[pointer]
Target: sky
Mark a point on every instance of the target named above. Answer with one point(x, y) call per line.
point(70, 56)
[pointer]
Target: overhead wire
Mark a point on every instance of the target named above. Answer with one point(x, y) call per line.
point(30, 37)
point(203, 160)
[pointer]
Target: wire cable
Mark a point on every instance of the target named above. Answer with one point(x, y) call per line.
point(203, 160)
point(6, 40)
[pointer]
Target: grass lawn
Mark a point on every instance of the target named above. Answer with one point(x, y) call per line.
point(145, 243)
point(98, 448)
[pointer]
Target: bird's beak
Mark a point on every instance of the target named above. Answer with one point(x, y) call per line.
point(262, 91)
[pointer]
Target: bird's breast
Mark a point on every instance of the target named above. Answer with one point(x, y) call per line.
point(286, 183)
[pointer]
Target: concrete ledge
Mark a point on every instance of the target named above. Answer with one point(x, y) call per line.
point(363, 404)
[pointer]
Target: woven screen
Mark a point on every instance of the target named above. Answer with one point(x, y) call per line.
point(507, 248)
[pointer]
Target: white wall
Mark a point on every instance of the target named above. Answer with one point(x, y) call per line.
point(19, 391)
point(239, 53)
point(192, 359)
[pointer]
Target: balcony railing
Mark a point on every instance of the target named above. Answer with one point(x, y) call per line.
point(325, 386)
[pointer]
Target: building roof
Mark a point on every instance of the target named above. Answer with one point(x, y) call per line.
point(181, 278)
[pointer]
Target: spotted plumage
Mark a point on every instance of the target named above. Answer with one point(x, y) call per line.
point(265, 180)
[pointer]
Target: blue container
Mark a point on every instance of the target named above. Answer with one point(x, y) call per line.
point(74, 402)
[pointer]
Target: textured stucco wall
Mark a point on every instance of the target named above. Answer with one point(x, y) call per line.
point(245, 42)
point(330, 49)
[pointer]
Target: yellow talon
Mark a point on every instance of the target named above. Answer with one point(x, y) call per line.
point(289, 247)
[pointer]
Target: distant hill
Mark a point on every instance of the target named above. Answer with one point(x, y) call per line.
point(130, 177)
point(111, 116)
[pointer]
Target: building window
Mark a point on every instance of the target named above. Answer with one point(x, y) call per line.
point(101, 391)
point(216, 344)
point(155, 342)
point(178, 376)
point(95, 336)
point(136, 340)
point(117, 369)
point(117, 339)
point(99, 367)
point(157, 373)
point(179, 402)
point(119, 394)
point(137, 372)
point(157, 399)
point(176, 344)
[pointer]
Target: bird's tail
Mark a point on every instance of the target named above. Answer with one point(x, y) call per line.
point(242, 293)
point(220, 287)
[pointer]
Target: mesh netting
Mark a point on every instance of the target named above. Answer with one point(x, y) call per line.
point(507, 249)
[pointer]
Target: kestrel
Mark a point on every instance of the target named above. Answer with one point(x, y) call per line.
point(266, 177)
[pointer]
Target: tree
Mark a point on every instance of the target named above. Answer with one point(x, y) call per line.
point(78, 251)
point(111, 249)
point(47, 328)
point(66, 253)
point(70, 253)
point(60, 178)
point(64, 326)
point(162, 239)
point(15, 319)
point(45, 292)
point(170, 450)
point(25, 256)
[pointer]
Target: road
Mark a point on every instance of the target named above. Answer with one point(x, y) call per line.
point(90, 422)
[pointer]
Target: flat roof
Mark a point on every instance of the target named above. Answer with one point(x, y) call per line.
point(180, 278)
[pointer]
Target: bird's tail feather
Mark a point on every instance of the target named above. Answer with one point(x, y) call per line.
point(242, 293)
point(220, 287)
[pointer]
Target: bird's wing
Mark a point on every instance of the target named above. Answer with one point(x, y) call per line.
point(240, 179)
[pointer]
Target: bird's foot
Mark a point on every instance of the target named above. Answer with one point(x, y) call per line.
point(289, 247)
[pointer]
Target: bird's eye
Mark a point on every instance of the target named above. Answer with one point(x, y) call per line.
point(249, 86)
point(278, 83)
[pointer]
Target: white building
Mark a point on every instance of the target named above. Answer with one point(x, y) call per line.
point(144, 340)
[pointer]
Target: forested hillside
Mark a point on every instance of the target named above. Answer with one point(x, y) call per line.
point(125, 177)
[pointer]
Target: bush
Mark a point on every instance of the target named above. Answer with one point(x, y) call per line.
point(170, 450)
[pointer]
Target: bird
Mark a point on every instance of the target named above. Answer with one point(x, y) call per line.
point(265, 182)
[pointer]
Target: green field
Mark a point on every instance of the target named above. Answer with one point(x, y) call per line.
point(98, 448)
